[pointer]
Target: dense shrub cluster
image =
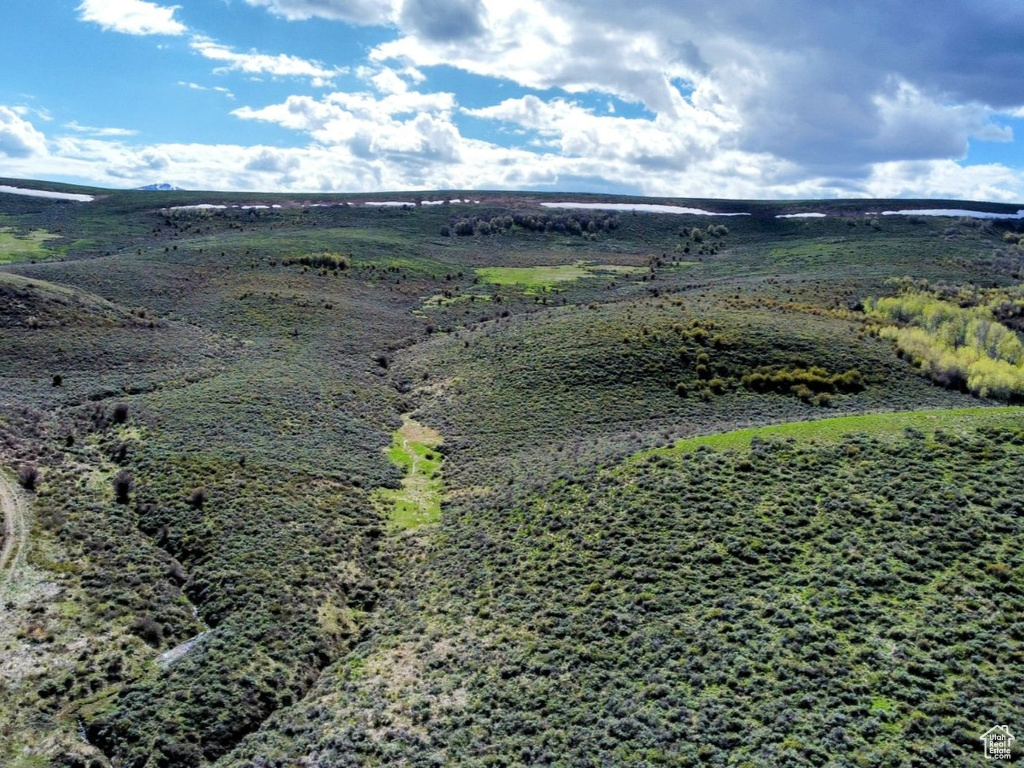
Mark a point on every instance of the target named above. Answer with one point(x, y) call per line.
point(809, 384)
point(698, 235)
point(572, 224)
point(320, 261)
point(957, 346)
point(1006, 303)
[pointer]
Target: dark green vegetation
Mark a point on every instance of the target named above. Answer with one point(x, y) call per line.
point(224, 419)
point(789, 604)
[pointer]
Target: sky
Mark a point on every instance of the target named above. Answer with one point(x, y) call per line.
point(665, 98)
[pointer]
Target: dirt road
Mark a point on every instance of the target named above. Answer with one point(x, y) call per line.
point(15, 530)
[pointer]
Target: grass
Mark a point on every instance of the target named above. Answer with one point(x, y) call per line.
point(874, 424)
point(533, 277)
point(546, 277)
point(418, 501)
point(440, 300)
point(625, 269)
point(15, 247)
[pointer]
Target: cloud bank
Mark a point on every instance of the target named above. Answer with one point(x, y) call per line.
point(660, 97)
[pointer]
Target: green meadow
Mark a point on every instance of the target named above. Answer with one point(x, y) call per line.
point(30, 245)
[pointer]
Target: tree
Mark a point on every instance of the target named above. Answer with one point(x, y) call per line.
point(123, 485)
point(120, 413)
point(28, 476)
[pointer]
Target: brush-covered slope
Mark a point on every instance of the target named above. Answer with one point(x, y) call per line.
point(854, 602)
point(212, 410)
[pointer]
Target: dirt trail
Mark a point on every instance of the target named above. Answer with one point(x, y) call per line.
point(15, 530)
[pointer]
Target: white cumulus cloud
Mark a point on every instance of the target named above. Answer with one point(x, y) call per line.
point(945, 179)
point(830, 89)
point(274, 65)
point(394, 127)
point(353, 11)
point(370, 144)
point(132, 17)
point(78, 128)
point(670, 143)
point(18, 137)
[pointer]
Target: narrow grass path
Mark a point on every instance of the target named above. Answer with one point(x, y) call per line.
point(418, 501)
point(15, 530)
point(873, 424)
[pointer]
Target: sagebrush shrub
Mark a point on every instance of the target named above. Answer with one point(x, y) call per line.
point(120, 415)
point(28, 476)
point(124, 482)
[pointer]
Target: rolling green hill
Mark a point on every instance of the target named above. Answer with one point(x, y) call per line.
point(315, 482)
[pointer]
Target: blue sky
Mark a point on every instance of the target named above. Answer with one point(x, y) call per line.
point(736, 98)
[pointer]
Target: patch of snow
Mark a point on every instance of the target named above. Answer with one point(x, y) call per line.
point(431, 202)
point(800, 216)
point(956, 212)
point(388, 204)
point(45, 193)
point(212, 207)
point(639, 207)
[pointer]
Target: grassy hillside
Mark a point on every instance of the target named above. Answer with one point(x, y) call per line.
point(328, 483)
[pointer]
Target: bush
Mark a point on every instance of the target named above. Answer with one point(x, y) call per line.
point(321, 261)
point(151, 632)
point(28, 476)
point(124, 483)
point(812, 385)
point(120, 415)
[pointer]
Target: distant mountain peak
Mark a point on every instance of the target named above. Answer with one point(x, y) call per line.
point(162, 186)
